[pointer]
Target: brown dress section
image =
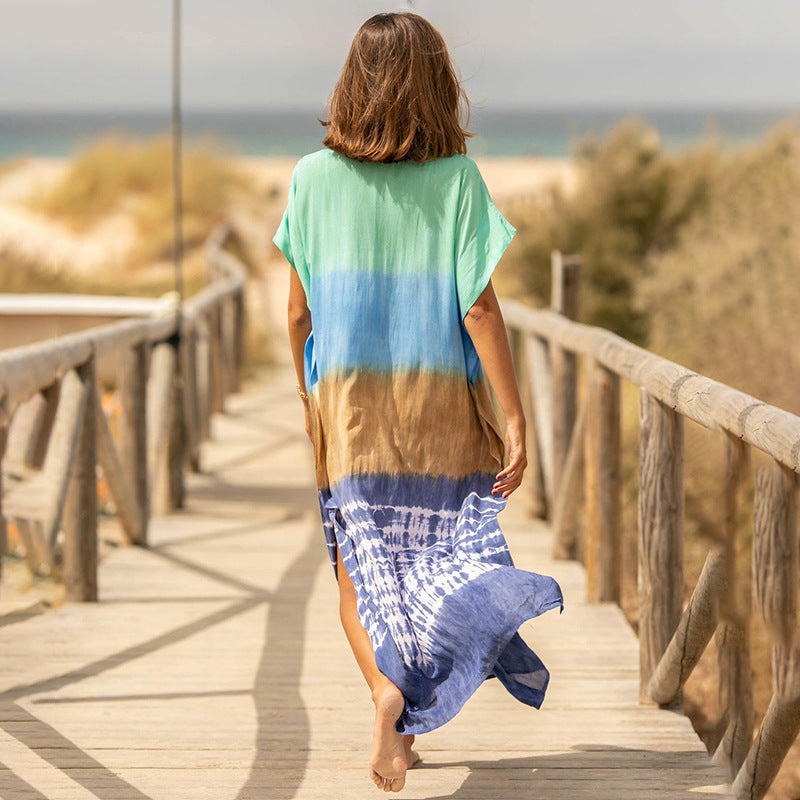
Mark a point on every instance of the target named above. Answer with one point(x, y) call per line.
point(414, 422)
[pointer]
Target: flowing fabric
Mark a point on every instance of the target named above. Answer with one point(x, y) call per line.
point(406, 440)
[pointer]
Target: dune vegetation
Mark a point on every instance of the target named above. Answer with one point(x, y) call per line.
point(696, 256)
point(117, 174)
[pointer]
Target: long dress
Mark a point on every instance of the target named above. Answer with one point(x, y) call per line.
point(406, 441)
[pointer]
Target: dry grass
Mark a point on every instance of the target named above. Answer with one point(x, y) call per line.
point(11, 164)
point(632, 202)
point(696, 256)
point(117, 174)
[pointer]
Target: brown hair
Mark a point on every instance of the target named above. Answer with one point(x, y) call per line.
point(398, 96)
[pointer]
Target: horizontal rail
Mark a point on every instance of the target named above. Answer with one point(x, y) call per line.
point(580, 464)
point(171, 370)
point(30, 368)
point(712, 404)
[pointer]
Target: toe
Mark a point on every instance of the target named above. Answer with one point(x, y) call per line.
point(398, 784)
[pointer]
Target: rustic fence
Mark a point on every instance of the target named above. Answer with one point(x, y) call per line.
point(575, 452)
point(172, 373)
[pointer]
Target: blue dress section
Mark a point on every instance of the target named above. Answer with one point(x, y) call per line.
point(437, 590)
point(391, 338)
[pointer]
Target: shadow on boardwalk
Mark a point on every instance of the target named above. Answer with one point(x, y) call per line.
point(201, 689)
point(277, 703)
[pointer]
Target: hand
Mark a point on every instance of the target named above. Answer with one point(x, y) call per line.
point(510, 478)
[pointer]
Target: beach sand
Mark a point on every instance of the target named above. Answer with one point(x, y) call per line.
point(34, 238)
point(506, 178)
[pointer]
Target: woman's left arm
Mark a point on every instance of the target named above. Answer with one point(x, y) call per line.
point(299, 317)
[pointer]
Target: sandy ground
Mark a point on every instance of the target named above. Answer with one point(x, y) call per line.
point(506, 178)
point(33, 238)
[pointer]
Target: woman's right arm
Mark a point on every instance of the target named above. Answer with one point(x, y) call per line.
point(485, 326)
point(299, 318)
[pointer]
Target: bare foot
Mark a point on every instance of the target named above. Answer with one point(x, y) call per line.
point(388, 761)
point(412, 756)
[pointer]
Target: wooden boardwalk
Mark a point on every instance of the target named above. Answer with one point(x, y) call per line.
point(214, 665)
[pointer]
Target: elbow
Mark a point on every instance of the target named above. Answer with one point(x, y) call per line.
point(480, 315)
point(299, 316)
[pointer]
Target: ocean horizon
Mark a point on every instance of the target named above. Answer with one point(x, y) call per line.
point(540, 132)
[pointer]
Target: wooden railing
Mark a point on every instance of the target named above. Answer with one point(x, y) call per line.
point(173, 372)
point(575, 451)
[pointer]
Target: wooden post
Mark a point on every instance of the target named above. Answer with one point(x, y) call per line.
point(777, 733)
point(602, 482)
point(133, 428)
point(540, 384)
point(128, 510)
point(176, 455)
point(191, 402)
point(80, 512)
point(733, 634)
point(160, 417)
point(216, 368)
point(564, 299)
point(775, 579)
point(204, 376)
point(660, 523)
point(61, 453)
point(3, 531)
point(533, 481)
point(694, 631)
point(230, 356)
point(240, 332)
point(50, 394)
point(567, 506)
point(775, 549)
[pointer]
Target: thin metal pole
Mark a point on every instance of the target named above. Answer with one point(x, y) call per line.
point(176, 147)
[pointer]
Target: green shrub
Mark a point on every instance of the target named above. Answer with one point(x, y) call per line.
point(632, 201)
point(119, 173)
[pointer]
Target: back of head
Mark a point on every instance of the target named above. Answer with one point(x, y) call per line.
point(398, 96)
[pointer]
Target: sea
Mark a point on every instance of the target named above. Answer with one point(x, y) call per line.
point(544, 132)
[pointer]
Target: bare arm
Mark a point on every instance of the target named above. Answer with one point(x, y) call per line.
point(485, 326)
point(299, 318)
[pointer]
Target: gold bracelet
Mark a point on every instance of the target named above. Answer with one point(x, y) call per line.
point(301, 392)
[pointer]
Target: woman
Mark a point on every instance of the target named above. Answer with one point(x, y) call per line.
point(395, 329)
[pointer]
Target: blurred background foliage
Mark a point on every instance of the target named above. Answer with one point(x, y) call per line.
point(696, 256)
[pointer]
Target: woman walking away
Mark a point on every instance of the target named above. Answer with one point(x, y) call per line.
point(397, 336)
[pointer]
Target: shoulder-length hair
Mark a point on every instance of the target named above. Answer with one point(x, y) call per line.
point(398, 96)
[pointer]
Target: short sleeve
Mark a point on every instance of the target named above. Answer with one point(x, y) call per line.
point(482, 236)
point(288, 237)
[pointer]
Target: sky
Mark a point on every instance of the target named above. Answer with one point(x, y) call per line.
point(110, 54)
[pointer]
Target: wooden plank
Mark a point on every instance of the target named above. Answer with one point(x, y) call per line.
point(224, 636)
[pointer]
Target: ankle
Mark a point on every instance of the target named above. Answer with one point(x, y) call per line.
point(378, 689)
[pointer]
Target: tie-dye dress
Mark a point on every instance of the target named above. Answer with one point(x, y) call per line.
point(406, 441)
